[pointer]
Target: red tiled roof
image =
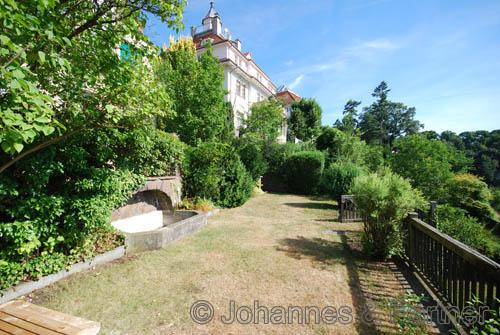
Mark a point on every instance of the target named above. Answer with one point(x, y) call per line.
point(289, 95)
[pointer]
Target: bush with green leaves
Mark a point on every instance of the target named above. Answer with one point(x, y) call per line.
point(304, 170)
point(215, 172)
point(55, 206)
point(342, 146)
point(338, 178)
point(469, 192)
point(384, 199)
point(252, 156)
point(41, 233)
point(495, 201)
point(150, 152)
point(276, 156)
point(457, 223)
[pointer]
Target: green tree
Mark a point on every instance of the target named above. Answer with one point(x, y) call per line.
point(483, 148)
point(265, 120)
point(61, 77)
point(197, 89)
point(461, 162)
point(305, 120)
point(426, 163)
point(469, 192)
point(384, 121)
point(349, 121)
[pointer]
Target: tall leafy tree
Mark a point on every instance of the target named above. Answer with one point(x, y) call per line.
point(385, 120)
point(197, 89)
point(265, 120)
point(60, 74)
point(305, 120)
point(426, 163)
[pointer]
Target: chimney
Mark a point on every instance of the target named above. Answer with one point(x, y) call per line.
point(238, 44)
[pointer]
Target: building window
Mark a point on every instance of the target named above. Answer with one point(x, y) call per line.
point(241, 89)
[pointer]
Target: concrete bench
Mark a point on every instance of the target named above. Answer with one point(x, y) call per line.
point(20, 317)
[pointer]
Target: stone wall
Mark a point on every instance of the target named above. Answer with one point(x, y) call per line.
point(159, 193)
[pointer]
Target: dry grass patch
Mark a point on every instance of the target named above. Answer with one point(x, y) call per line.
point(277, 249)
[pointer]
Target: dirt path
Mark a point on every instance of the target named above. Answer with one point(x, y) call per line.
point(276, 250)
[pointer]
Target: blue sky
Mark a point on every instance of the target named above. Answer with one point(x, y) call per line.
point(440, 56)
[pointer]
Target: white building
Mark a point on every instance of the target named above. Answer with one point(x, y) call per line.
point(245, 81)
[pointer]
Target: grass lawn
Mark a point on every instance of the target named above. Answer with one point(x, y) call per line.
point(278, 249)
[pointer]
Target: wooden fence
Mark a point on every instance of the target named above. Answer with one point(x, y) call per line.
point(454, 272)
point(347, 209)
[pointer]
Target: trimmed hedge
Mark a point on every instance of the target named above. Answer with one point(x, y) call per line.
point(303, 171)
point(215, 172)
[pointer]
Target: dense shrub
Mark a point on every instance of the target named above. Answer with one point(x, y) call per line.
point(151, 153)
point(495, 202)
point(465, 228)
point(341, 146)
point(215, 172)
point(304, 170)
point(384, 200)
point(42, 233)
point(337, 179)
point(472, 194)
point(276, 156)
point(252, 156)
point(55, 206)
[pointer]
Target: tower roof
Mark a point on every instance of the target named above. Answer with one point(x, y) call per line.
point(212, 12)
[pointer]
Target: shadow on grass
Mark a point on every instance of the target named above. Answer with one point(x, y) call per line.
point(313, 205)
point(372, 284)
point(319, 249)
point(328, 220)
point(328, 252)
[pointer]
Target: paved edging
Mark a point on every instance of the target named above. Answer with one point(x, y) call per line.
point(28, 287)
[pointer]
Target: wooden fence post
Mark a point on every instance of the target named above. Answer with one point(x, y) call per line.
point(432, 213)
point(411, 238)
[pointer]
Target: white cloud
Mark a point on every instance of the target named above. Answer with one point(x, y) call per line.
point(296, 82)
point(379, 44)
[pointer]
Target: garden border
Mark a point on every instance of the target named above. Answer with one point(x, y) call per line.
point(28, 287)
point(107, 257)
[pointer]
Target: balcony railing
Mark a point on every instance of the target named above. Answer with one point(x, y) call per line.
point(201, 29)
